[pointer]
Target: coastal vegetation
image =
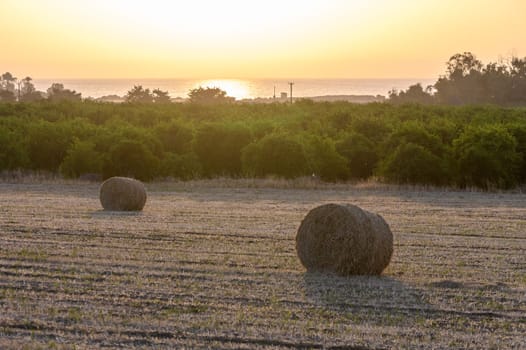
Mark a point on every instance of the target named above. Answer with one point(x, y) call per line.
point(468, 130)
point(461, 146)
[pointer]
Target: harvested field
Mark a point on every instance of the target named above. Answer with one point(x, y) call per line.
point(213, 266)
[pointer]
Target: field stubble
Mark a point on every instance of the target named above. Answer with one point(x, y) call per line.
point(212, 266)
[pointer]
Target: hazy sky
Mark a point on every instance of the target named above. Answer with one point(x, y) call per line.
point(253, 39)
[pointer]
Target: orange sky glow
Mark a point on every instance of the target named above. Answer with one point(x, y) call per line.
point(253, 39)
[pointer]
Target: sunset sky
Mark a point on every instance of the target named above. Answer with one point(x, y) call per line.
point(253, 39)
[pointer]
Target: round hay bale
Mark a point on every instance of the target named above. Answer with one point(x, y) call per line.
point(122, 194)
point(344, 239)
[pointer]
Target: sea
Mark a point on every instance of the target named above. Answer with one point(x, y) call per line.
point(239, 88)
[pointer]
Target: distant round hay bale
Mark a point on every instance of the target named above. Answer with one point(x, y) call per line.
point(122, 194)
point(344, 239)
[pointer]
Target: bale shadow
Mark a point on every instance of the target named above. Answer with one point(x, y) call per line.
point(376, 300)
point(101, 213)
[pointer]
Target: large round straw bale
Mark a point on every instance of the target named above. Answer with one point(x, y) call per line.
point(344, 239)
point(122, 194)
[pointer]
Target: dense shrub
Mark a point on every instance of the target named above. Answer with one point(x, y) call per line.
point(341, 120)
point(219, 146)
point(443, 129)
point(482, 146)
point(519, 133)
point(360, 153)
point(487, 157)
point(131, 158)
point(174, 136)
point(12, 150)
point(374, 129)
point(413, 164)
point(276, 154)
point(81, 158)
point(415, 133)
point(323, 159)
point(181, 166)
point(116, 130)
point(47, 145)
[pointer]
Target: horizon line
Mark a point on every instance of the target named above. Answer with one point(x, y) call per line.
point(236, 78)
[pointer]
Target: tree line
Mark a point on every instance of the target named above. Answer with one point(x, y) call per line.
point(23, 90)
point(466, 81)
point(469, 81)
point(461, 146)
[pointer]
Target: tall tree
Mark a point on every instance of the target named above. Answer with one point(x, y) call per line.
point(415, 93)
point(463, 83)
point(463, 64)
point(7, 96)
point(7, 87)
point(138, 94)
point(57, 92)
point(8, 82)
point(496, 83)
point(518, 80)
point(160, 96)
point(27, 91)
point(209, 95)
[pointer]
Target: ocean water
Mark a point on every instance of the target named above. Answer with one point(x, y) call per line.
point(238, 88)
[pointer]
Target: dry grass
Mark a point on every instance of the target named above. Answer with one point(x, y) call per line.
point(216, 267)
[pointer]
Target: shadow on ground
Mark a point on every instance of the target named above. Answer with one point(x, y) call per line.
point(109, 213)
point(377, 300)
point(330, 289)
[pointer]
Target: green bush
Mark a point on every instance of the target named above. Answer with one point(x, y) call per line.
point(12, 151)
point(131, 158)
point(218, 147)
point(415, 133)
point(519, 133)
point(325, 162)
point(410, 163)
point(81, 158)
point(181, 166)
point(117, 129)
point(360, 153)
point(375, 129)
point(486, 156)
point(444, 129)
point(276, 154)
point(47, 145)
point(174, 136)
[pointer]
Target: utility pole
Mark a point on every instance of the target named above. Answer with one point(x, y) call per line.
point(274, 92)
point(291, 83)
